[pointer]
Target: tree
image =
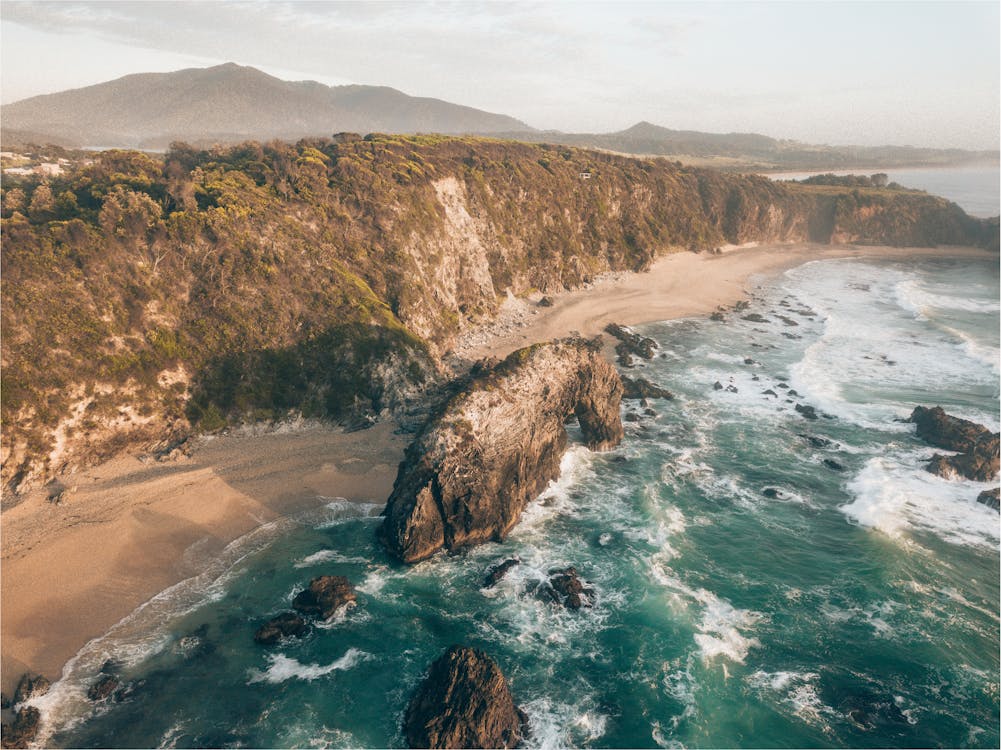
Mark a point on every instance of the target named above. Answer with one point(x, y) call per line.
point(880, 179)
point(42, 207)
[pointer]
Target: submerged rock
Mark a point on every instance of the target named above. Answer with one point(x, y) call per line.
point(104, 688)
point(498, 572)
point(324, 596)
point(755, 318)
point(23, 729)
point(643, 388)
point(991, 498)
point(464, 702)
point(496, 445)
point(285, 625)
point(816, 442)
point(830, 463)
point(978, 447)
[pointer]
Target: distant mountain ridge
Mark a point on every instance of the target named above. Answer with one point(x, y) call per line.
point(230, 103)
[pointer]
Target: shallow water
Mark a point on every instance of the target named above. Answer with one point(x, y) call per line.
point(855, 607)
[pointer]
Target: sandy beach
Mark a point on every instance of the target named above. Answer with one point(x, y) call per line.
point(129, 529)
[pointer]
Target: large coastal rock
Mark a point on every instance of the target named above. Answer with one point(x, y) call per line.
point(496, 445)
point(324, 596)
point(23, 729)
point(463, 702)
point(977, 446)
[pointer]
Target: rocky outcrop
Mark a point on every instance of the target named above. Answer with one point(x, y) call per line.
point(324, 597)
point(104, 688)
point(464, 702)
point(498, 572)
point(23, 729)
point(977, 447)
point(643, 388)
point(566, 588)
point(991, 498)
point(285, 625)
point(494, 446)
point(30, 686)
point(630, 344)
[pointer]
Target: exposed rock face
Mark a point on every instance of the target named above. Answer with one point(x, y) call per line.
point(23, 730)
point(283, 626)
point(496, 445)
point(808, 412)
point(991, 498)
point(325, 595)
point(464, 702)
point(30, 686)
point(978, 447)
point(643, 388)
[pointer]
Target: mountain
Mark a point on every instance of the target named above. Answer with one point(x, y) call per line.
point(747, 151)
point(231, 103)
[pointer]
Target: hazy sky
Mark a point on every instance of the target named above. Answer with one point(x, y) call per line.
point(918, 73)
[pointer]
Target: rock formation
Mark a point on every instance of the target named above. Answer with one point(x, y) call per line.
point(495, 446)
point(30, 686)
point(23, 730)
point(324, 596)
point(463, 702)
point(498, 572)
point(991, 498)
point(104, 688)
point(643, 388)
point(565, 588)
point(283, 626)
point(630, 344)
point(977, 447)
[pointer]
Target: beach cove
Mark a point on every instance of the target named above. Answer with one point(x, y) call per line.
point(138, 529)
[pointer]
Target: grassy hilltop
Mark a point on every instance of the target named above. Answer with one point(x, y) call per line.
point(148, 297)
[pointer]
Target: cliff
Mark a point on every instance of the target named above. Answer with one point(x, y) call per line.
point(496, 445)
point(148, 297)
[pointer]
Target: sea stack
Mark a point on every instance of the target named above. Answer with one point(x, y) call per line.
point(977, 446)
point(463, 702)
point(495, 446)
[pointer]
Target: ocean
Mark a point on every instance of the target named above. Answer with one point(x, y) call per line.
point(755, 585)
point(976, 188)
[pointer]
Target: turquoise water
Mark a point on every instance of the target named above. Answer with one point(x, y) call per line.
point(855, 607)
point(975, 187)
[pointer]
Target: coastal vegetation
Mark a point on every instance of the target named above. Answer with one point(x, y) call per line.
point(147, 297)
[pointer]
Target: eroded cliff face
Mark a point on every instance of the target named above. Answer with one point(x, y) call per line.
point(496, 445)
point(147, 298)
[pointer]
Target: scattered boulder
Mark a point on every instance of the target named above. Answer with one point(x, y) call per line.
point(731, 388)
point(30, 686)
point(494, 446)
point(632, 417)
point(769, 392)
point(325, 596)
point(787, 320)
point(464, 702)
point(755, 318)
point(830, 463)
point(808, 412)
point(991, 498)
point(643, 388)
point(717, 386)
point(285, 625)
point(546, 302)
point(498, 572)
point(749, 361)
point(104, 688)
point(773, 492)
point(718, 317)
point(978, 447)
point(22, 731)
point(816, 442)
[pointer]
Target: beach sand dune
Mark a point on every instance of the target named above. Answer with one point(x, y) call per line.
point(131, 529)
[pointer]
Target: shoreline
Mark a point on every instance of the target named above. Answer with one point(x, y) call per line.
point(132, 529)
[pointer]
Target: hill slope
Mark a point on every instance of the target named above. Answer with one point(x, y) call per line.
point(230, 103)
point(148, 298)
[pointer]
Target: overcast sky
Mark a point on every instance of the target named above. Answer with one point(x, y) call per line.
point(924, 74)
